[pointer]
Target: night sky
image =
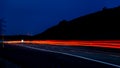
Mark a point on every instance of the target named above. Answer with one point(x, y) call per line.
point(35, 16)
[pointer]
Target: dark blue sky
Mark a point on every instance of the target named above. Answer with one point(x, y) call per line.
point(35, 16)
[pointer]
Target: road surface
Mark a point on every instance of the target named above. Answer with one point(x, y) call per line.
point(45, 56)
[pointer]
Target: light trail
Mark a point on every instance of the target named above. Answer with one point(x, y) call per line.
point(100, 43)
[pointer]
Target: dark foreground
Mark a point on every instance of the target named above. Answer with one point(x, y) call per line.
point(29, 58)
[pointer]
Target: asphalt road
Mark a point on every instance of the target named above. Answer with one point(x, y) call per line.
point(34, 57)
point(102, 55)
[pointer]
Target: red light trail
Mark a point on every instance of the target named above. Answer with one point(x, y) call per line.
point(100, 43)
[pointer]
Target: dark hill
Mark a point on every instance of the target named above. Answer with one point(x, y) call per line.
point(101, 25)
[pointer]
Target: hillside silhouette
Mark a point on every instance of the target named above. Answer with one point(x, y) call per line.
point(101, 25)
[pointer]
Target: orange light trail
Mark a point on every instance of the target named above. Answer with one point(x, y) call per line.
point(100, 43)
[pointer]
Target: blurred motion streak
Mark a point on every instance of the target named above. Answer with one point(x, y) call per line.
point(100, 43)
